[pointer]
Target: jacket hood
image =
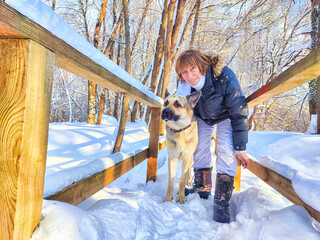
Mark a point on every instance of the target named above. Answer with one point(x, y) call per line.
point(218, 64)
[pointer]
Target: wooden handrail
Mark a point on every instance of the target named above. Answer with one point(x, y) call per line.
point(80, 191)
point(303, 71)
point(14, 25)
point(282, 185)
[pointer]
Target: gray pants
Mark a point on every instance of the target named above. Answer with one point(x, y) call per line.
point(226, 162)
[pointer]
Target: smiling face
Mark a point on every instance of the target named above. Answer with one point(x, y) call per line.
point(191, 74)
point(190, 66)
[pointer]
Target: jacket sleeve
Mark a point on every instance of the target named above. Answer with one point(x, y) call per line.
point(238, 110)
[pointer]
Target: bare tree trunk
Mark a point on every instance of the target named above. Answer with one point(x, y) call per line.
point(167, 55)
point(125, 101)
point(158, 54)
point(167, 52)
point(113, 34)
point(101, 108)
point(175, 30)
point(185, 29)
point(96, 38)
point(116, 113)
point(140, 25)
point(54, 5)
point(93, 86)
point(136, 103)
point(117, 102)
point(84, 8)
point(195, 23)
point(315, 42)
point(108, 52)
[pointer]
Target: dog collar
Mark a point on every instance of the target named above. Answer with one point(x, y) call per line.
point(180, 130)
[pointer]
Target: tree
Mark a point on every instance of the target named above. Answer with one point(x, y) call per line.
point(92, 87)
point(315, 43)
point(125, 101)
point(195, 22)
point(108, 51)
point(136, 103)
point(158, 54)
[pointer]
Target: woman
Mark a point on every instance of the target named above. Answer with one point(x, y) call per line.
point(223, 104)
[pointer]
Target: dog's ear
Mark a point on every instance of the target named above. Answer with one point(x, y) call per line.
point(166, 93)
point(193, 98)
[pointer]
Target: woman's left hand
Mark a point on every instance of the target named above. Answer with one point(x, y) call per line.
point(244, 159)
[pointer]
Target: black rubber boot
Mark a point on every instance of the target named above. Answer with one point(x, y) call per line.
point(202, 183)
point(223, 192)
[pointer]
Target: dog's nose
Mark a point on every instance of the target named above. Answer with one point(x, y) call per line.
point(167, 114)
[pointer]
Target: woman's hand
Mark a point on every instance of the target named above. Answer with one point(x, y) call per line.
point(243, 158)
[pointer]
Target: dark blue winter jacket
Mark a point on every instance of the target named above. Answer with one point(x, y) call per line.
point(221, 99)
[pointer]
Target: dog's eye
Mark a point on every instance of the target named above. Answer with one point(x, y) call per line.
point(166, 103)
point(177, 104)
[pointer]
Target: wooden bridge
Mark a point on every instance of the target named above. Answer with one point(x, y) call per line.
point(28, 55)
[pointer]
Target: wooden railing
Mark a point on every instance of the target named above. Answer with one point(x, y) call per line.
point(28, 55)
point(303, 71)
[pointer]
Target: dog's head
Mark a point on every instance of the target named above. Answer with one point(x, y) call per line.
point(178, 110)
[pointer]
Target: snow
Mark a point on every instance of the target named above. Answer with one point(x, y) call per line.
point(43, 15)
point(130, 208)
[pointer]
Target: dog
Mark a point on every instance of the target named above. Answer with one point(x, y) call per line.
point(181, 138)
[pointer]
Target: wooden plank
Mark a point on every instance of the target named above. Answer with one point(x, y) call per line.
point(303, 71)
point(153, 144)
point(80, 191)
point(26, 71)
point(282, 185)
point(162, 145)
point(67, 57)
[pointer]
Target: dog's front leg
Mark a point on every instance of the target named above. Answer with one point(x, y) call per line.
point(185, 166)
point(189, 178)
point(172, 165)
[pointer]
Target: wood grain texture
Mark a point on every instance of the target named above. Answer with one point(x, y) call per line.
point(26, 71)
point(153, 144)
point(67, 57)
point(303, 71)
point(80, 191)
point(282, 185)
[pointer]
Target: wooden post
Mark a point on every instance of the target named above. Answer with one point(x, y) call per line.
point(153, 144)
point(26, 71)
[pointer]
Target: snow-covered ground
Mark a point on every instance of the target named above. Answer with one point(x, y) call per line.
point(131, 209)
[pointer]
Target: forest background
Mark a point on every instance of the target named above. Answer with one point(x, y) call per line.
point(258, 40)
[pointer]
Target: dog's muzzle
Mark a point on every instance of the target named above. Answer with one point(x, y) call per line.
point(168, 115)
